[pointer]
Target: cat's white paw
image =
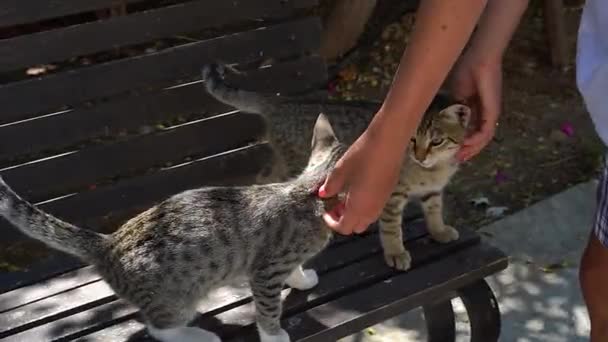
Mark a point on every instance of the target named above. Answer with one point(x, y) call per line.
point(301, 279)
point(401, 261)
point(183, 334)
point(445, 235)
point(282, 336)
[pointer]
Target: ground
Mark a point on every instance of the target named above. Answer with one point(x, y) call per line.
point(539, 302)
point(545, 141)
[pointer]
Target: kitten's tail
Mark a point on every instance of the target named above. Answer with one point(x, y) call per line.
point(52, 231)
point(246, 101)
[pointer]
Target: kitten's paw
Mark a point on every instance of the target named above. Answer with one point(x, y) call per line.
point(183, 334)
point(282, 336)
point(400, 261)
point(302, 279)
point(445, 235)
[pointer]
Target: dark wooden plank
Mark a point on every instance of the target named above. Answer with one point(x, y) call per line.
point(81, 169)
point(47, 265)
point(105, 206)
point(13, 12)
point(332, 283)
point(59, 44)
point(38, 292)
point(353, 277)
point(28, 304)
point(108, 119)
point(74, 86)
point(403, 292)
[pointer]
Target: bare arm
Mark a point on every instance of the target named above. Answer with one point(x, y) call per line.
point(477, 78)
point(441, 31)
point(496, 27)
point(370, 167)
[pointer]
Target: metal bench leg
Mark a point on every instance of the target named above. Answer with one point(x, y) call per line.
point(440, 322)
point(483, 311)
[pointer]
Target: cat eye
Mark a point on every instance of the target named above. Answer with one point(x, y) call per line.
point(437, 141)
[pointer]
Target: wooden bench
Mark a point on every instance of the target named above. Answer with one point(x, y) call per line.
point(118, 120)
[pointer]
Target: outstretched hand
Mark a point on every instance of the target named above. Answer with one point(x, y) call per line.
point(368, 172)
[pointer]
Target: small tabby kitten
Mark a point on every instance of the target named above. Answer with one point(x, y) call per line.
point(429, 168)
point(167, 258)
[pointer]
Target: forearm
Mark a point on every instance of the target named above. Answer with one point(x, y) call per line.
point(441, 31)
point(495, 29)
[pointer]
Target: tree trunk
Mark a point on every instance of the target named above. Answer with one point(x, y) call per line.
point(556, 32)
point(345, 23)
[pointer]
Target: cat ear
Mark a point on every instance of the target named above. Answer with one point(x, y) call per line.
point(323, 135)
point(457, 114)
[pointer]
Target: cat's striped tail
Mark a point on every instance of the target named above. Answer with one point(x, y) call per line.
point(246, 101)
point(48, 229)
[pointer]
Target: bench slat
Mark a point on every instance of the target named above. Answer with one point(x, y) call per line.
point(157, 69)
point(34, 294)
point(352, 277)
point(403, 292)
point(100, 207)
point(35, 305)
point(38, 292)
point(13, 12)
point(59, 44)
point(73, 172)
point(338, 280)
point(108, 119)
point(106, 207)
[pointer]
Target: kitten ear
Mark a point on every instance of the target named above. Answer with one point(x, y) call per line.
point(323, 135)
point(457, 114)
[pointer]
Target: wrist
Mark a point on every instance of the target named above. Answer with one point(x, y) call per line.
point(483, 58)
point(389, 130)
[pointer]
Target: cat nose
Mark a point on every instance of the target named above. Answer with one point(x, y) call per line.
point(420, 155)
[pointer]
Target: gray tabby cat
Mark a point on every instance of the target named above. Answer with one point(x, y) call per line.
point(429, 168)
point(167, 258)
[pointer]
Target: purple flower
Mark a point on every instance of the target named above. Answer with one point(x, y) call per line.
point(500, 177)
point(567, 129)
point(331, 87)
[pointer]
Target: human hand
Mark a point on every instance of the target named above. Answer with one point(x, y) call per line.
point(367, 172)
point(478, 83)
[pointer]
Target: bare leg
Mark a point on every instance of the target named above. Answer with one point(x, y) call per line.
point(594, 281)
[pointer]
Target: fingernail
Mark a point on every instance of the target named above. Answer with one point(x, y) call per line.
point(322, 192)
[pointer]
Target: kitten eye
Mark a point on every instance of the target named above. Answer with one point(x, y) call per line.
point(437, 141)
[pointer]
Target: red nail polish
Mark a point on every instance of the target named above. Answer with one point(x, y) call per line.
point(322, 192)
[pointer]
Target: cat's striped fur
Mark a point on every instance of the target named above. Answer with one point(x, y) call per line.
point(167, 258)
point(425, 173)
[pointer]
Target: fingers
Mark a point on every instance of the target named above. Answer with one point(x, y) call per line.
point(476, 142)
point(488, 104)
point(334, 183)
point(342, 221)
